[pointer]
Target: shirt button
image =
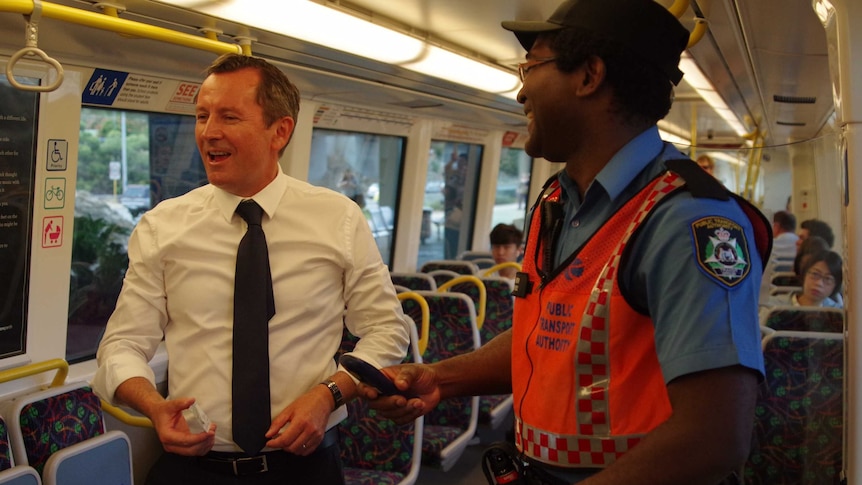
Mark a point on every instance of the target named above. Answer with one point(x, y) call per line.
point(576, 223)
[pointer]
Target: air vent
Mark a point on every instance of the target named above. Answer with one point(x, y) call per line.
point(790, 123)
point(778, 98)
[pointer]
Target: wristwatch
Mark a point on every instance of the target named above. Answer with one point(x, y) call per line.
point(336, 392)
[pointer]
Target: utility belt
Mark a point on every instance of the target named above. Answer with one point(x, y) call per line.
point(504, 465)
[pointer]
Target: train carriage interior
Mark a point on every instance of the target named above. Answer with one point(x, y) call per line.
point(409, 108)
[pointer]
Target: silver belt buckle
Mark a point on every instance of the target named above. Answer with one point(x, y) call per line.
point(261, 459)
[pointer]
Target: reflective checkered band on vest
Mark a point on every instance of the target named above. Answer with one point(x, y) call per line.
point(581, 451)
point(594, 446)
point(592, 354)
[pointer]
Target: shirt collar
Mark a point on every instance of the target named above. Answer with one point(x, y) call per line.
point(268, 198)
point(623, 167)
point(629, 161)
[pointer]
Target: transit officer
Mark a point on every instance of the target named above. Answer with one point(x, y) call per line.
point(634, 356)
point(181, 286)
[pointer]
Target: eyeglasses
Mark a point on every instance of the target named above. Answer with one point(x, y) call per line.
point(817, 276)
point(525, 67)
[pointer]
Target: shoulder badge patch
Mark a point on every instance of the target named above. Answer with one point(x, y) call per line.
point(721, 249)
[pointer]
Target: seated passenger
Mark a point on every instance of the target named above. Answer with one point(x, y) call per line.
point(784, 232)
point(815, 227)
point(821, 284)
point(809, 246)
point(506, 247)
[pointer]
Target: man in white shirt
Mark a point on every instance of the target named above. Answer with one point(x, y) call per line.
point(784, 231)
point(326, 274)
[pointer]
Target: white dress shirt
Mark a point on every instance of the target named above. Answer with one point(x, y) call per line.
point(326, 273)
point(784, 246)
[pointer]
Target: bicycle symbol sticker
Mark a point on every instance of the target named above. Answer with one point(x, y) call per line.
point(55, 193)
point(52, 232)
point(57, 152)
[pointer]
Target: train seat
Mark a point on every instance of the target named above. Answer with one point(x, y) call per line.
point(6, 460)
point(20, 475)
point(484, 263)
point(414, 281)
point(799, 414)
point(498, 318)
point(474, 255)
point(106, 458)
point(785, 278)
point(374, 450)
point(9, 473)
point(43, 422)
point(442, 276)
point(458, 266)
point(449, 428)
point(805, 319)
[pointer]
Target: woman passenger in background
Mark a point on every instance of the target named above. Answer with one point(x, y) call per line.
point(821, 283)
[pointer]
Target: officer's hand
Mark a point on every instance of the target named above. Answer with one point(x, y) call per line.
point(417, 380)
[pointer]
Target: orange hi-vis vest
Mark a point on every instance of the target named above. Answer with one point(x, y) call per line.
point(586, 379)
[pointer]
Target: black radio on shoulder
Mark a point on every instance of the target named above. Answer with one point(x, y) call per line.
point(523, 285)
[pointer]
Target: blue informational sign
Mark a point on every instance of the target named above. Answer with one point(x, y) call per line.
point(103, 87)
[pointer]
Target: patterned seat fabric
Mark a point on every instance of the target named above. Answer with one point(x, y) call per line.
point(806, 320)
point(442, 276)
point(374, 450)
point(799, 413)
point(414, 281)
point(5, 449)
point(460, 267)
point(500, 304)
point(58, 421)
point(451, 333)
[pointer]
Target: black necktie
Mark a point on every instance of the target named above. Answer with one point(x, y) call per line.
point(253, 306)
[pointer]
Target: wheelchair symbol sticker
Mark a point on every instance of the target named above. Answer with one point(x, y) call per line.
point(55, 193)
point(52, 232)
point(57, 151)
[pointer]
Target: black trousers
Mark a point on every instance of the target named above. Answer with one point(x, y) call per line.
point(323, 467)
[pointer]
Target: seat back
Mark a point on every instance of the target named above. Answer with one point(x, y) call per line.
point(6, 461)
point(805, 319)
point(443, 276)
point(474, 289)
point(799, 415)
point(785, 278)
point(20, 475)
point(46, 421)
point(375, 450)
point(452, 331)
point(499, 307)
point(474, 255)
point(484, 263)
point(458, 266)
point(106, 458)
point(414, 281)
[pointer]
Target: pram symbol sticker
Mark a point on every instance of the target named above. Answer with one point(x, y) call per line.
point(52, 232)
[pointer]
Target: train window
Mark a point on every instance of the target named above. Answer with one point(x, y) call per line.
point(513, 188)
point(366, 168)
point(127, 162)
point(450, 200)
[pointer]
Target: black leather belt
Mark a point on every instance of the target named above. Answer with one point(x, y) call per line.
point(240, 464)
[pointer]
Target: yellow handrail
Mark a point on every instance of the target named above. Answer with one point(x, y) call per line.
point(122, 26)
point(509, 264)
point(483, 296)
point(124, 417)
point(60, 365)
point(424, 325)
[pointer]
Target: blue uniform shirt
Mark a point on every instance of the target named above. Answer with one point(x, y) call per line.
point(701, 322)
